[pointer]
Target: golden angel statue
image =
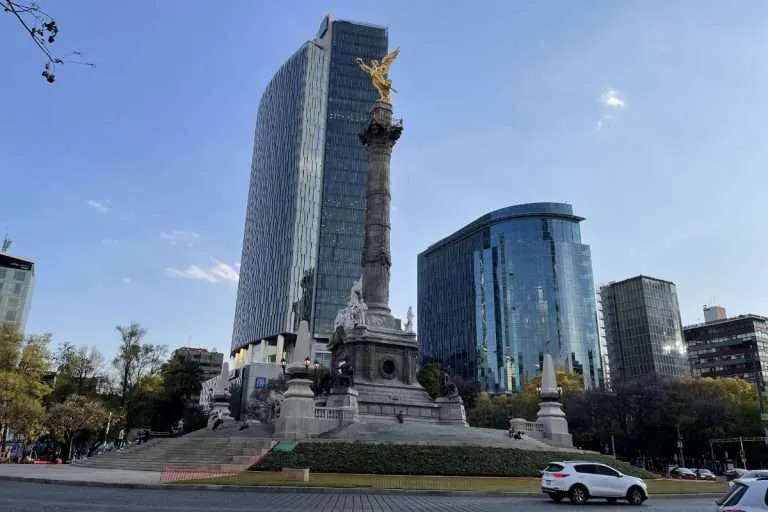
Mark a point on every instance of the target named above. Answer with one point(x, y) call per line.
point(378, 73)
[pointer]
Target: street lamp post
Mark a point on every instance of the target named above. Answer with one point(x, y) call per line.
point(680, 446)
point(315, 370)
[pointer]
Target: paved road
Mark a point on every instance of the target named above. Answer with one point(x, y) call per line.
point(36, 497)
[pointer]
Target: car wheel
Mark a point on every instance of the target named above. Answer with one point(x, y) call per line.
point(557, 498)
point(635, 496)
point(578, 495)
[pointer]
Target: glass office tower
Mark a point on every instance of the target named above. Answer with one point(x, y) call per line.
point(498, 294)
point(17, 281)
point(306, 204)
point(643, 330)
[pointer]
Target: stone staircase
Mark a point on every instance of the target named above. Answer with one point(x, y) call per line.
point(227, 450)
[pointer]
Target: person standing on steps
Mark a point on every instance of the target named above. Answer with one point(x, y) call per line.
point(219, 420)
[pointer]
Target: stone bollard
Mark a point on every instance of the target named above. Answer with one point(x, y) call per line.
point(299, 475)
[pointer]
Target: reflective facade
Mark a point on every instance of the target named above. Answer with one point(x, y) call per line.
point(643, 329)
point(306, 203)
point(345, 173)
point(498, 294)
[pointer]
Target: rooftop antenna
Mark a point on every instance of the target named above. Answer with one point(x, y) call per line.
point(6, 244)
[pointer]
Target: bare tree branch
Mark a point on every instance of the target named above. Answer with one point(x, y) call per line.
point(43, 30)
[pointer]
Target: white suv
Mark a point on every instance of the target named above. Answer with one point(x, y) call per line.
point(582, 480)
point(745, 495)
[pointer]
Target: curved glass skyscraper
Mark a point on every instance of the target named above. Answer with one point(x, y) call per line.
point(498, 294)
point(306, 204)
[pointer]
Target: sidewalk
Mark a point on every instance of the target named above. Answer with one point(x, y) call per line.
point(70, 473)
point(73, 475)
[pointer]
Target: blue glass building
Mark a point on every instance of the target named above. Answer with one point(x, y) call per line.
point(498, 294)
point(306, 204)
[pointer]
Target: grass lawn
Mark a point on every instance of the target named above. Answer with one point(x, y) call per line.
point(445, 483)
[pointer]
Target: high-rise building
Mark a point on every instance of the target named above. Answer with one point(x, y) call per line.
point(498, 294)
point(713, 313)
point(730, 347)
point(210, 362)
point(17, 281)
point(306, 204)
point(643, 330)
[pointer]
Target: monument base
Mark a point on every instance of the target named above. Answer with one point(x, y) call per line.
point(297, 411)
point(385, 363)
point(220, 404)
point(347, 399)
point(555, 426)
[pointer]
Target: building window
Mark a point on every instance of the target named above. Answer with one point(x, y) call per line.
point(17, 288)
point(10, 316)
point(19, 275)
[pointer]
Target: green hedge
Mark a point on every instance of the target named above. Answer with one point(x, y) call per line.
point(403, 459)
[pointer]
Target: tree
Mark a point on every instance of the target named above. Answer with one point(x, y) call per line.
point(77, 370)
point(430, 376)
point(43, 30)
point(134, 359)
point(182, 378)
point(76, 415)
point(22, 364)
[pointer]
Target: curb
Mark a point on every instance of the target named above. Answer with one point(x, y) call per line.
point(286, 489)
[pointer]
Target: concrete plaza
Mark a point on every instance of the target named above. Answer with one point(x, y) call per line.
point(73, 473)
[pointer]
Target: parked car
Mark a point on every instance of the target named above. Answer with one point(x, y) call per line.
point(704, 474)
point(581, 481)
point(750, 475)
point(683, 473)
point(745, 496)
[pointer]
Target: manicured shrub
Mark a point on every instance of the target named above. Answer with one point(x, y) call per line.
point(404, 459)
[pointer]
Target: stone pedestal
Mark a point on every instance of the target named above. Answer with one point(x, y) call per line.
point(220, 403)
point(346, 398)
point(342, 398)
point(552, 418)
point(385, 363)
point(452, 411)
point(297, 411)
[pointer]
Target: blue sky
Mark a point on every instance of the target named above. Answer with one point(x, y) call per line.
point(647, 116)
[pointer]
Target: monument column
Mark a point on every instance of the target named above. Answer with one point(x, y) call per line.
point(379, 136)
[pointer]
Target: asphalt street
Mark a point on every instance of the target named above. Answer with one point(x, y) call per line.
point(39, 497)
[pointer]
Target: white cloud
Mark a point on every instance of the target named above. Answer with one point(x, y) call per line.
point(100, 205)
point(180, 237)
point(127, 280)
point(612, 98)
point(218, 273)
